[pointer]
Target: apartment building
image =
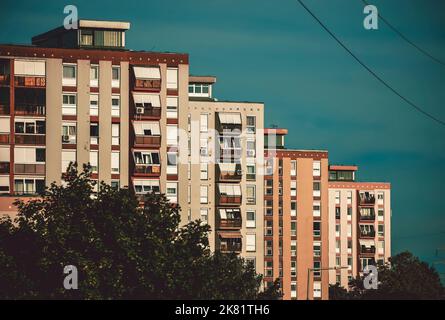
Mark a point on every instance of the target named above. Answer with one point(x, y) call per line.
point(79, 95)
point(360, 220)
point(296, 226)
point(225, 180)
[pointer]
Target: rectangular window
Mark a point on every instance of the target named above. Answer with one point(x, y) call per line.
point(94, 76)
point(317, 189)
point(250, 147)
point(381, 230)
point(250, 125)
point(251, 172)
point(115, 76)
point(316, 208)
point(250, 242)
point(172, 191)
point(293, 209)
point(204, 122)
point(172, 78)
point(69, 104)
point(172, 107)
point(317, 249)
point(251, 197)
point(316, 168)
point(293, 228)
point(204, 194)
point(349, 197)
point(115, 106)
point(115, 162)
point(317, 290)
point(67, 157)
point(337, 197)
point(204, 215)
point(172, 163)
point(94, 161)
point(204, 171)
point(94, 133)
point(172, 135)
point(293, 168)
point(317, 229)
point(69, 75)
point(94, 104)
point(250, 219)
point(293, 188)
point(115, 132)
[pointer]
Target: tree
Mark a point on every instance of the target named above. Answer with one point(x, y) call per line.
point(337, 292)
point(122, 250)
point(404, 277)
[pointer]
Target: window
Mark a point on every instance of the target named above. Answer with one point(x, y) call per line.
point(337, 197)
point(380, 198)
point(86, 37)
point(115, 134)
point(349, 213)
point(293, 167)
point(250, 147)
point(40, 155)
point(317, 229)
point(316, 186)
point(199, 89)
point(146, 186)
point(317, 271)
point(172, 160)
point(250, 175)
point(172, 78)
point(250, 219)
point(316, 168)
point(250, 125)
point(172, 191)
point(29, 127)
point(115, 76)
point(349, 197)
point(337, 213)
point(204, 215)
point(115, 106)
point(172, 135)
point(94, 155)
point(69, 104)
point(250, 242)
point(381, 247)
point(381, 230)
point(94, 133)
point(204, 171)
point(317, 249)
point(115, 184)
point(337, 230)
point(107, 38)
point(381, 214)
point(94, 104)
point(317, 289)
point(67, 157)
point(293, 188)
point(293, 228)
point(349, 229)
point(337, 246)
point(293, 209)
point(337, 261)
point(293, 268)
point(204, 122)
point(69, 75)
point(172, 107)
point(293, 289)
point(115, 162)
point(251, 197)
point(316, 208)
point(146, 157)
point(204, 194)
point(29, 186)
point(94, 75)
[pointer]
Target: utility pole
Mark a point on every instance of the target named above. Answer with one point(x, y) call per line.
point(309, 270)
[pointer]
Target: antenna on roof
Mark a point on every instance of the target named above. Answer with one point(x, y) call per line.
point(273, 126)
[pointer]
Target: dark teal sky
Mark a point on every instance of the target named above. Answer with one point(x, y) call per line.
point(273, 51)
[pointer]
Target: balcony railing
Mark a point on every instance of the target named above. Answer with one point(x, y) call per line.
point(367, 250)
point(230, 247)
point(148, 141)
point(149, 169)
point(29, 168)
point(230, 200)
point(29, 110)
point(32, 82)
point(4, 167)
point(32, 139)
point(4, 138)
point(230, 176)
point(147, 84)
point(4, 109)
point(147, 112)
point(370, 217)
point(230, 223)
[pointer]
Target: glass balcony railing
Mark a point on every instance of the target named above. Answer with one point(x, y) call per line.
point(30, 139)
point(147, 141)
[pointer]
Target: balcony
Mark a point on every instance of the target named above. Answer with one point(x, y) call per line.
point(230, 241)
point(30, 82)
point(29, 169)
point(30, 139)
point(366, 198)
point(147, 141)
point(4, 109)
point(147, 113)
point(225, 200)
point(29, 110)
point(147, 169)
point(230, 223)
point(230, 247)
point(229, 176)
point(367, 250)
point(230, 152)
point(365, 217)
point(147, 84)
point(4, 167)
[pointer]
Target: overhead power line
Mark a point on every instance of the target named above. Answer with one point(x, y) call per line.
point(412, 104)
point(401, 35)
